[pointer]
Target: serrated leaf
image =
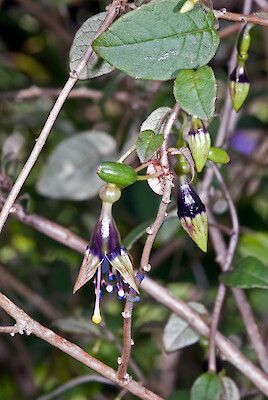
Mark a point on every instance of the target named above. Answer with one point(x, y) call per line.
point(84, 36)
point(196, 92)
point(156, 120)
point(249, 273)
point(147, 144)
point(177, 332)
point(229, 389)
point(156, 40)
point(70, 172)
point(206, 387)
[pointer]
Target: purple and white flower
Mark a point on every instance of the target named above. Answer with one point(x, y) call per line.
point(106, 260)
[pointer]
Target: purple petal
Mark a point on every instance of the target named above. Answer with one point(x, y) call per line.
point(189, 203)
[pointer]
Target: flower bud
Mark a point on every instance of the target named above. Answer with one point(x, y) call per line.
point(199, 143)
point(239, 87)
point(192, 215)
point(243, 43)
point(188, 6)
point(117, 173)
point(218, 155)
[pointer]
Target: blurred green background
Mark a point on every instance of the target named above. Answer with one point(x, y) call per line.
point(35, 37)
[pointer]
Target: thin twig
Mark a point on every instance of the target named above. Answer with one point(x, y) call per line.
point(227, 264)
point(152, 232)
point(34, 298)
point(33, 92)
point(9, 329)
point(229, 16)
point(229, 116)
point(113, 11)
point(72, 383)
point(229, 350)
point(28, 325)
point(240, 298)
point(160, 294)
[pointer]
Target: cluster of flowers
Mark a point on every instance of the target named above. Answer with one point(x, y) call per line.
point(105, 259)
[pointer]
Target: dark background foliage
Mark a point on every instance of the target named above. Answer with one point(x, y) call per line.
point(35, 37)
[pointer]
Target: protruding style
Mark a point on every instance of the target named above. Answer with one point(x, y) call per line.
point(105, 258)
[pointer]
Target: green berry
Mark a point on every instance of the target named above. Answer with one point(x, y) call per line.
point(114, 172)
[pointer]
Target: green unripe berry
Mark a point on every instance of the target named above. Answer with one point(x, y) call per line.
point(114, 172)
point(182, 167)
point(218, 155)
point(110, 193)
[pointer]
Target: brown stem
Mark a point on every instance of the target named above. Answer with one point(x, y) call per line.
point(114, 9)
point(26, 324)
point(227, 264)
point(9, 329)
point(79, 93)
point(242, 303)
point(160, 294)
point(231, 353)
point(34, 298)
point(254, 19)
point(252, 327)
point(152, 232)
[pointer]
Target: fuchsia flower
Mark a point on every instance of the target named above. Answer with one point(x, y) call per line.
point(105, 258)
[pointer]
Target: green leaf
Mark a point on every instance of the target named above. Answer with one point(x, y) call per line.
point(196, 91)
point(249, 273)
point(70, 172)
point(180, 394)
point(84, 36)
point(147, 145)
point(156, 40)
point(255, 245)
point(156, 120)
point(229, 389)
point(206, 387)
point(177, 332)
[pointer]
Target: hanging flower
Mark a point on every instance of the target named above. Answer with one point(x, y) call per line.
point(105, 258)
point(192, 215)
